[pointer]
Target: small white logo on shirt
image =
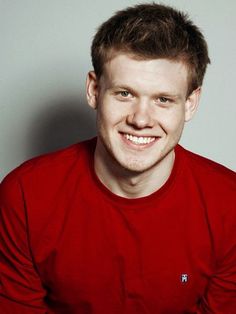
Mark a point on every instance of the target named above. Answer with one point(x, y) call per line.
point(184, 278)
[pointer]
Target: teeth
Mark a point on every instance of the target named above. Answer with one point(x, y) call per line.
point(139, 140)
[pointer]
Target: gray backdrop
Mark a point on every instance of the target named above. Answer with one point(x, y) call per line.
point(44, 59)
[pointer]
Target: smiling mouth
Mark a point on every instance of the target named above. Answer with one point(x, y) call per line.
point(139, 140)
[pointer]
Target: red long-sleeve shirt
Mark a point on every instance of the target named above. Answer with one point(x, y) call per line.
point(69, 245)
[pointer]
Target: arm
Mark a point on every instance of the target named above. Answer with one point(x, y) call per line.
point(220, 296)
point(21, 290)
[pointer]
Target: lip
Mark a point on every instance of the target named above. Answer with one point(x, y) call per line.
point(138, 134)
point(138, 146)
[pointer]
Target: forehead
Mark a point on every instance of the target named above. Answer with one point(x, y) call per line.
point(157, 73)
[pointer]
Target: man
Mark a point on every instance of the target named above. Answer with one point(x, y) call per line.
point(129, 222)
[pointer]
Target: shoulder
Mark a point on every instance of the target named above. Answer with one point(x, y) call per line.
point(208, 171)
point(214, 186)
point(214, 183)
point(51, 165)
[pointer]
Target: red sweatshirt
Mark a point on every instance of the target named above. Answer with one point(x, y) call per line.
point(69, 245)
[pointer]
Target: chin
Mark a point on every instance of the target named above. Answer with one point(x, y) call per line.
point(136, 166)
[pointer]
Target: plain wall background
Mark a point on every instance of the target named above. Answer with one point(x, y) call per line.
point(44, 59)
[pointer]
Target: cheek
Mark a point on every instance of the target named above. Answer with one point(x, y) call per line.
point(106, 121)
point(110, 113)
point(172, 121)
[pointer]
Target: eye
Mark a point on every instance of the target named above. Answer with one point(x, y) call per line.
point(124, 93)
point(163, 100)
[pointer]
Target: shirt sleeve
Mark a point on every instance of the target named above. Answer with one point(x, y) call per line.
point(220, 296)
point(21, 290)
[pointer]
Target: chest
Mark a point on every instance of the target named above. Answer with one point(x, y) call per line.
point(105, 259)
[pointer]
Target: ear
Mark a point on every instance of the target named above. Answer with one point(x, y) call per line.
point(92, 89)
point(191, 104)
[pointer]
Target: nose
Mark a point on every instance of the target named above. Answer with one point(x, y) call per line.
point(141, 116)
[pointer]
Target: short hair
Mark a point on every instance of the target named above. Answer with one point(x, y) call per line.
point(150, 31)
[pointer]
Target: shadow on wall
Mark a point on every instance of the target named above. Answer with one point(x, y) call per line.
point(61, 124)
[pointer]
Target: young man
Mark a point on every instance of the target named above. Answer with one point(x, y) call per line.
point(129, 222)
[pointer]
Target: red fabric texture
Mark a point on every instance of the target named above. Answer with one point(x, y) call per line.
point(69, 245)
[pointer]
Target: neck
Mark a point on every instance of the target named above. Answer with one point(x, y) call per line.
point(130, 184)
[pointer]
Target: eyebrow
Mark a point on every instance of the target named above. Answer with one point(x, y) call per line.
point(121, 86)
point(168, 95)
